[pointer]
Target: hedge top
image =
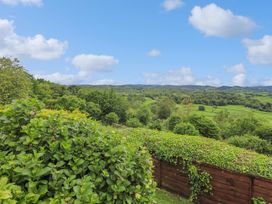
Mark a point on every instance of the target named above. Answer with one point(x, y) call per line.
point(171, 147)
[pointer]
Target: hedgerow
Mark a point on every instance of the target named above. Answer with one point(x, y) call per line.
point(53, 157)
point(171, 147)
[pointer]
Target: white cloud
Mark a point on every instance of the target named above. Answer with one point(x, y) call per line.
point(36, 47)
point(154, 53)
point(59, 78)
point(170, 5)
point(259, 51)
point(104, 82)
point(22, 2)
point(88, 64)
point(239, 72)
point(181, 76)
point(213, 20)
point(267, 82)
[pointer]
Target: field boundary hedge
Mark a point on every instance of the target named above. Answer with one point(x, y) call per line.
point(228, 187)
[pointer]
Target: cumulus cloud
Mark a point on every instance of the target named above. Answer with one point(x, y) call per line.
point(154, 53)
point(239, 72)
point(22, 2)
point(181, 76)
point(170, 5)
point(259, 51)
point(213, 20)
point(36, 47)
point(267, 82)
point(87, 65)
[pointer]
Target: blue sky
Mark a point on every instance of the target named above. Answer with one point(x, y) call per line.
point(176, 42)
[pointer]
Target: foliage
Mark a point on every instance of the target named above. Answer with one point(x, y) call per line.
point(201, 108)
point(258, 200)
point(143, 115)
point(205, 126)
point(170, 147)
point(111, 118)
point(156, 125)
point(58, 158)
point(9, 193)
point(252, 143)
point(164, 108)
point(264, 132)
point(15, 82)
point(17, 115)
point(185, 129)
point(93, 110)
point(173, 121)
point(241, 126)
point(133, 122)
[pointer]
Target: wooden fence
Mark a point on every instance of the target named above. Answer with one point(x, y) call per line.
point(228, 187)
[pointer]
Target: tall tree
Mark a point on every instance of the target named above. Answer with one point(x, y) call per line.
point(15, 82)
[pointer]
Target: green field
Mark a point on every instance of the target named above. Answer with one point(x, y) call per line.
point(211, 111)
point(164, 197)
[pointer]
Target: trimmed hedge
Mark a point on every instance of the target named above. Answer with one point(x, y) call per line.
point(57, 157)
point(171, 147)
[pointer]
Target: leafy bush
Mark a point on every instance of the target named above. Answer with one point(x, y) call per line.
point(173, 121)
point(58, 158)
point(111, 118)
point(201, 108)
point(185, 129)
point(133, 122)
point(241, 126)
point(205, 126)
point(252, 143)
point(264, 132)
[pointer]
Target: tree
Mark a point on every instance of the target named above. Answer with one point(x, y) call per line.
point(111, 118)
point(241, 126)
point(206, 127)
point(15, 82)
point(185, 129)
point(164, 108)
point(70, 103)
point(133, 122)
point(143, 115)
point(173, 121)
point(93, 110)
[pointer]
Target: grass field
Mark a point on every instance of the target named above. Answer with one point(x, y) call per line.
point(235, 110)
point(164, 197)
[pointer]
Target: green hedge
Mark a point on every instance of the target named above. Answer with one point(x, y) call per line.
point(170, 147)
point(56, 157)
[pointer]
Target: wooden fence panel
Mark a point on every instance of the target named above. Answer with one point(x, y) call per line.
point(228, 187)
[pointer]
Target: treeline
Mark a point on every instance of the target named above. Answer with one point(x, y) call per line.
point(153, 107)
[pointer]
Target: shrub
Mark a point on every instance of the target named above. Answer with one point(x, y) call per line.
point(185, 129)
point(241, 126)
point(111, 118)
point(264, 132)
point(173, 121)
point(57, 158)
point(201, 108)
point(252, 143)
point(156, 125)
point(133, 122)
point(205, 126)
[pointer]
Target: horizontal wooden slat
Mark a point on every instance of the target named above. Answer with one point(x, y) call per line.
point(228, 187)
